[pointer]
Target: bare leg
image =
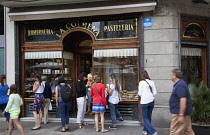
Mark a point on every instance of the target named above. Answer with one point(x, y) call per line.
point(67, 126)
point(10, 127)
point(89, 107)
point(19, 127)
point(102, 123)
point(96, 122)
point(40, 118)
point(36, 118)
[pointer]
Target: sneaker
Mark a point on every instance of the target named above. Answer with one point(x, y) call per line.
point(155, 133)
point(145, 133)
point(121, 119)
point(112, 127)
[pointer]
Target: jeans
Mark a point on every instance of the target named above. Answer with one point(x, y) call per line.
point(7, 115)
point(146, 116)
point(114, 113)
point(64, 112)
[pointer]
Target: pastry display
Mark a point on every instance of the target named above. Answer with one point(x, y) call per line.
point(129, 95)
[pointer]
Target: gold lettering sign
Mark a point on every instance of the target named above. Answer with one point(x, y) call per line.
point(40, 32)
point(100, 30)
point(122, 27)
point(85, 25)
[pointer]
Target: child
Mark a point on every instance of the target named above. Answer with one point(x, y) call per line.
point(13, 107)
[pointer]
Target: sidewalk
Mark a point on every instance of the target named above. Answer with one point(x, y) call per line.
point(124, 128)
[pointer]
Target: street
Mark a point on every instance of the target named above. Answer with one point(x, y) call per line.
point(53, 128)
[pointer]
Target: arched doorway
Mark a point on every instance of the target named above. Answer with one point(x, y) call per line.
point(79, 44)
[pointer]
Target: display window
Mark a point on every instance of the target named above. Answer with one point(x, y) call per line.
point(51, 64)
point(124, 64)
point(192, 65)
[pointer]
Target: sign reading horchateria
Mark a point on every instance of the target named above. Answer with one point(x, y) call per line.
point(53, 31)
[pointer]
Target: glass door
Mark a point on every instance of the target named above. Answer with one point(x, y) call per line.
point(85, 61)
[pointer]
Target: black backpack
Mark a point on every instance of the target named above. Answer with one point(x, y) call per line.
point(66, 93)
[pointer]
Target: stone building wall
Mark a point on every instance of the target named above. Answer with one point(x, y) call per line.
point(161, 49)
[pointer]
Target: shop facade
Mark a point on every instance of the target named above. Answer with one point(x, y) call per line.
point(61, 42)
point(68, 47)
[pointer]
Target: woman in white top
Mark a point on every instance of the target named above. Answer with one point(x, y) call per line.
point(38, 104)
point(147, 91)
point(114, 98)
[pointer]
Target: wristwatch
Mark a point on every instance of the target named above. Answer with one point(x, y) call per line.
point(181, 114)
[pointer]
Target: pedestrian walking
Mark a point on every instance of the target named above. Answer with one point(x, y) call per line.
point(63, 96)
point(114, 90)
point(147, 91)
point(81, 100)
point(180, 106)
point(4, 88)
point(47, 98)
point(13, 107)
point(38, 104)
point(99, 102)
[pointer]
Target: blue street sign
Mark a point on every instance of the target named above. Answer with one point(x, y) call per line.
point(147, 22)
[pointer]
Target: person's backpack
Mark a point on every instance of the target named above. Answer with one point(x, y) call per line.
point(66, 93)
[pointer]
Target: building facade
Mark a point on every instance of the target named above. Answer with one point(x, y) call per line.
point(122, 37)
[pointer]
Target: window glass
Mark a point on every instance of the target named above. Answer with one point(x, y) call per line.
point(50, 64)
point(2, 61)
point(191, 61)
point(121, 62)
point(1, 20)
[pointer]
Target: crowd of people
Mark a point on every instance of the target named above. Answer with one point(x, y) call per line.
point(101, 97)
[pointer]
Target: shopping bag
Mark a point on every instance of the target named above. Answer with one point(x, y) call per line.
point(50, 106)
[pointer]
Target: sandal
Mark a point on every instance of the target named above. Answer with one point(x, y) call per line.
point(87, 112)
point(105, 130)
point(85, 124)
point(81, 127)
point(67, 129)
point(98, 130)
point(61, 130)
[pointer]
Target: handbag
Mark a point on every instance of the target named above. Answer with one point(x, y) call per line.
point(50, 106)
point(103, 99)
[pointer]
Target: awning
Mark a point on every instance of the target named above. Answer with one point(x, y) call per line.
point(191, 51)
point(116, 52)
point(79, 10)
point(48, 55)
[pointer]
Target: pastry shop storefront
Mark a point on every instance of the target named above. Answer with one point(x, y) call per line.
point(68, 47)
point(107, 44)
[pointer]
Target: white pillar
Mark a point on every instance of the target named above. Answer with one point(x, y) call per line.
point(10, 50)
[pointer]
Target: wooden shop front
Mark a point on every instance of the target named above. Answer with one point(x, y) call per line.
point(108, 44)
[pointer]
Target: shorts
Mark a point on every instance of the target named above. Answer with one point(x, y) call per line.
point(14, 115)
point(38, 102)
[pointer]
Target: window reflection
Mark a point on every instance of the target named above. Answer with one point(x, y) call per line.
point(50, 64)
point(121, 62)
